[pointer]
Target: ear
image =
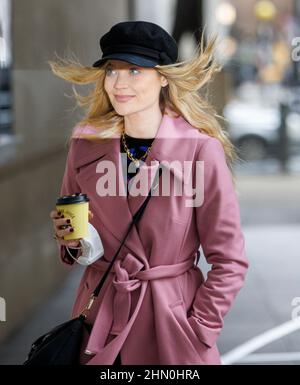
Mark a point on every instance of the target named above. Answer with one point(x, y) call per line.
point(163, 81)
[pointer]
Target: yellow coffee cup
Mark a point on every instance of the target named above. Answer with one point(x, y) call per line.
point(76, 208)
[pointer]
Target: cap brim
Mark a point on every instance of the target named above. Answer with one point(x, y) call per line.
point(134, 59)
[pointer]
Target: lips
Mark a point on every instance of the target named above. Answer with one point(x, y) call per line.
point(123, 98)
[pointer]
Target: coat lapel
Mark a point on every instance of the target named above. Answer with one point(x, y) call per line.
point(117, 211)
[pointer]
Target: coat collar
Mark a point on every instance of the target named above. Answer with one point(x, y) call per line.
point(165, 149)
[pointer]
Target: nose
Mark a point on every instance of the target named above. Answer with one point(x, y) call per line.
point(121, 80)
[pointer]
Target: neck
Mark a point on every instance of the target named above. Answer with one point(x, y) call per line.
point(143, 124)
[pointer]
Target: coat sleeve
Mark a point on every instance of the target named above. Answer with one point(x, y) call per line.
point(223, 244)
point(69, 186)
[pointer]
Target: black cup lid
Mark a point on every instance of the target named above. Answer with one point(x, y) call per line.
point(74, 198)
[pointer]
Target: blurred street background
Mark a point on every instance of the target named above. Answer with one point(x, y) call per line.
point(257, 92)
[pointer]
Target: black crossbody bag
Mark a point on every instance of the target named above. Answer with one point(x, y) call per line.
point(62, 344)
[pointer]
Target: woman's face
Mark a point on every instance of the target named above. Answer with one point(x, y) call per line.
point(131, 88)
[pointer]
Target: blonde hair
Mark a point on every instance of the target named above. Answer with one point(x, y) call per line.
point(182, 95)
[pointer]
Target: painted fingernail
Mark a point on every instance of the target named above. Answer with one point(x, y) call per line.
point(68, 221)
point(71, 229)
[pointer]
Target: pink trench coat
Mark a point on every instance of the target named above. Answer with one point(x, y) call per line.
point(155, 307)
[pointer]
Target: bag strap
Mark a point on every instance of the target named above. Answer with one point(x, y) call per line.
point(136, 217)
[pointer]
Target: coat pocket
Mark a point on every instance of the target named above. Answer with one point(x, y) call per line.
point(187, 333)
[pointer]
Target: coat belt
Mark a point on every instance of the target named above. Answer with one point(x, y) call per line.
point(114, 310)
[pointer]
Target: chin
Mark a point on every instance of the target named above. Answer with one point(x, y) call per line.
point(123, 111)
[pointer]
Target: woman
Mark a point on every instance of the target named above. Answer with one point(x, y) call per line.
point(155, 307)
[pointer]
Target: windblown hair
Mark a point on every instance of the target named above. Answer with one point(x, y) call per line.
point(186, 81)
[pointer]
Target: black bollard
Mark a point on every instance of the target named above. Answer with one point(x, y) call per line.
point(283, 139)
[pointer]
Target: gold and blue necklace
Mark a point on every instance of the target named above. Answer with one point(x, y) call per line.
point(136, 146)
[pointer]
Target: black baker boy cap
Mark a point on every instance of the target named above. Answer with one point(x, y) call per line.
point(138, 42)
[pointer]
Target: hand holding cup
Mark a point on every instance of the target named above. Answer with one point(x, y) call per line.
point(70, 219)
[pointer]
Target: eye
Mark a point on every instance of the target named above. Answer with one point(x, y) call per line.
point(135, 69)
point(108, 70)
